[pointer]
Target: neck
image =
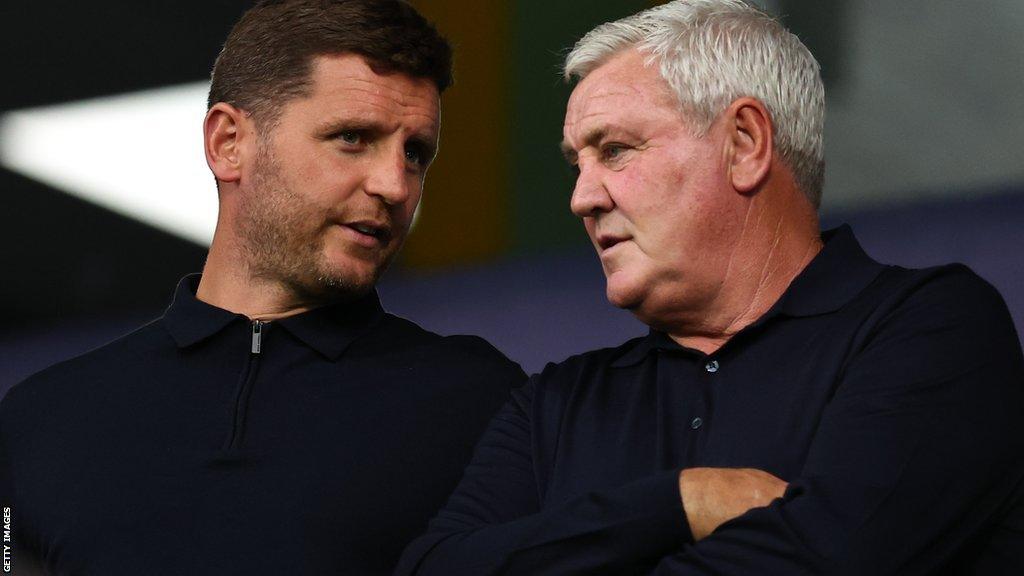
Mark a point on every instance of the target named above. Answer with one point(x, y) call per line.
point(776, 243)
point(229, 283)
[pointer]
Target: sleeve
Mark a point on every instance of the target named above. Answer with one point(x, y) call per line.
point(918, 453)
point(494, 523)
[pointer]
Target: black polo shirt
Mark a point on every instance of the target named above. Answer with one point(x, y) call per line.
point(891, 400)
point(205, 443)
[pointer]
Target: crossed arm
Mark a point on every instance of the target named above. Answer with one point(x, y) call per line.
point(713, 496)
point(493, 523)
point(900, 479)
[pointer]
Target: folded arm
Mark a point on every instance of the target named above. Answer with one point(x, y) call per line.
point(915, 464)
point(493, 523)
point(916, 455)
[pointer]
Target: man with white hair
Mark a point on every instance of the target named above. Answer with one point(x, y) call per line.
point(797, 408)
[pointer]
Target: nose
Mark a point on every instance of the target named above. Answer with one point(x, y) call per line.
point(389, 178)
point(590, 196)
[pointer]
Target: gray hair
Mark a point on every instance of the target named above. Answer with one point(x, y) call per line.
point(711, 52)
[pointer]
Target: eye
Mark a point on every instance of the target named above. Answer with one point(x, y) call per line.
point(413, 156)
point(416, 154)
point(350, 137)
point(612, 151)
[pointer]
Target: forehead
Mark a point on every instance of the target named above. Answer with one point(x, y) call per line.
point(623, 89)
point(347, 85)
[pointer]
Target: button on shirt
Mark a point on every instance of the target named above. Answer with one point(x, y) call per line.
point(889, 399)
point(204, 443)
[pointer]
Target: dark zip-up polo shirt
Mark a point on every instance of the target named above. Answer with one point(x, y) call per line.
point(205, 443)
point(891, 400)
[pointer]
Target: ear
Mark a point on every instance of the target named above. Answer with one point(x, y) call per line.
point(224, 133)
point(749, 127)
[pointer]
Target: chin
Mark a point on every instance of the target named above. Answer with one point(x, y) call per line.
point(329, 283)
point(339, 268)
point(625, 295)
point(355, 282)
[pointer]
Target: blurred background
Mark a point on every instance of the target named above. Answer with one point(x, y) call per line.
point(106, 199)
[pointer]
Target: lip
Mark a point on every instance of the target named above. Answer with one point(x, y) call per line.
point(607, 241)
point(381, 232)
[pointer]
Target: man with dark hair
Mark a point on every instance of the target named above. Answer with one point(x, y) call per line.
point(270, 420)
point(797, 408)
point(267, 57)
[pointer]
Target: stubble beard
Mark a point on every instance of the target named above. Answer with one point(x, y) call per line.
point(283, 238)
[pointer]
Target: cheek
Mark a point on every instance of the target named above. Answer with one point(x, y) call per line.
point(407, 210)
point(654, 202)
point(402, 219)
point(649, 188)
point(309, 185)
point(632, 188)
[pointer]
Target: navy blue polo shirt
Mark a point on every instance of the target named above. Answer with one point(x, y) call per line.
point(891, 401)
point(205, 443)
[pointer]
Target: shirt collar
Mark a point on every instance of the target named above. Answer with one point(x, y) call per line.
point(834, 277)
point(328, 329)
point(655, 340)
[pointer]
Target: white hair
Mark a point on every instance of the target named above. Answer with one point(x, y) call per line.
point(711, 52)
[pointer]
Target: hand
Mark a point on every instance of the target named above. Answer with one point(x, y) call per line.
point(712, 496)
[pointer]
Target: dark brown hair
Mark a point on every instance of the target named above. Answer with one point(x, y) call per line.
point(267, 57)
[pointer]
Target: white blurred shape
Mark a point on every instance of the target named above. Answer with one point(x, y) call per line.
point(138, 154)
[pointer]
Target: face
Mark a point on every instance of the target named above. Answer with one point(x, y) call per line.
point(654, 199)
point(334, 184)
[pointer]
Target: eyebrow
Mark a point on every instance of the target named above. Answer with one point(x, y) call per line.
point(330, 127)
point(589, 139)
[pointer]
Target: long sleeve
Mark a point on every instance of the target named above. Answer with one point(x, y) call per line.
point(918, 453)
point(494, 524)
point(898, 420)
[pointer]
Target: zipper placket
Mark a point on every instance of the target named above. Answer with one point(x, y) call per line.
point(257, 336)
point(246, 381)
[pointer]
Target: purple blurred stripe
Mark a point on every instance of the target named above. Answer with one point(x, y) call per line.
point(546, 307)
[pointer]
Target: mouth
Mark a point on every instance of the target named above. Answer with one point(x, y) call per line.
point(606, 241)
point(370, 232)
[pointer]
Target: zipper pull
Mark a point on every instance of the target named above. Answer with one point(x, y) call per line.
point(257, 336)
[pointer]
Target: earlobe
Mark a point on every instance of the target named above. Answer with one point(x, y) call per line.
point(223, 132)
point(752, 139)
